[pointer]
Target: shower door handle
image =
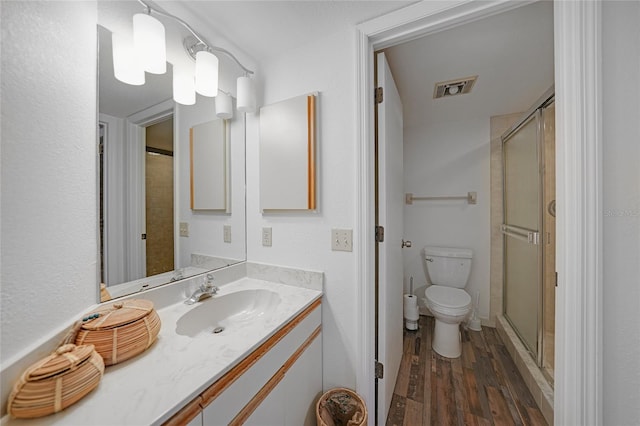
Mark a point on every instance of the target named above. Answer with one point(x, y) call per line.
point(523, 234)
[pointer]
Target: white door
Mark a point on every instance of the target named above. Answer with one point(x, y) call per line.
point(390, 189)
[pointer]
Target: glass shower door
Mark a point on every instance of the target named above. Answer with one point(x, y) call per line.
point(522, 254)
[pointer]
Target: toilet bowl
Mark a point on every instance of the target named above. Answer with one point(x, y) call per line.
point(448, 270)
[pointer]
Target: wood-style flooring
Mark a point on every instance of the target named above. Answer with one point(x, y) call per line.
point(482, 387)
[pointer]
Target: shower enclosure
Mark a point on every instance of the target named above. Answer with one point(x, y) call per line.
point(528, 151)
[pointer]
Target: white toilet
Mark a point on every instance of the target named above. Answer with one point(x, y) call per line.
point(448, 269)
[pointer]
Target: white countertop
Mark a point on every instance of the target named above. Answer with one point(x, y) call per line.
point(151, 387)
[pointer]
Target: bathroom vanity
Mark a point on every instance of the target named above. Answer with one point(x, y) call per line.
point(251, 354)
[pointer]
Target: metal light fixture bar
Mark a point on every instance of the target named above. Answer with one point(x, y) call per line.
point(196, 43)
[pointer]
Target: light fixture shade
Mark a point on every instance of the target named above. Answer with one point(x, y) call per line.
point(149, 39)
point(224, 106)
point(246, 95)
point(206, 73)
point(184, 87)
point(126, 66)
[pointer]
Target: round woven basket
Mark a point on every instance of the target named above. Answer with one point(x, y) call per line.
point(341, 407)
point(56, 382)
point(120, 330)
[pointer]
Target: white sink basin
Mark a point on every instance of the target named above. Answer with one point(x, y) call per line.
point(228, 312)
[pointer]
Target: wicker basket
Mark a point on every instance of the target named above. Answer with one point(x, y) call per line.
point(341, 407)
point(120, 330)
point(56, 382)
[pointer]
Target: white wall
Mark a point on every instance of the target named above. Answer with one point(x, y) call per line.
point(303, 239)
point(621, 136)
point(448, 159)
point(48, 213)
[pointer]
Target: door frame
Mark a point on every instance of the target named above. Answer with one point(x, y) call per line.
point(578, 82)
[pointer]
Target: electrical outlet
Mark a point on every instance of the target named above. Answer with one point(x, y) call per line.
point(266, 237)
point(227, 233)
point(342, 240)
point(184, 229)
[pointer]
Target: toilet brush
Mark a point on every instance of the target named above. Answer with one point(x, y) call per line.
point(474, 321)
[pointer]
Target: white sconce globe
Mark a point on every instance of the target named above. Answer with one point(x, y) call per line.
point(184, 86)
point(224, 106)
point(149, 39)
point(126, 66)
point(206, 73)
point(246, 95)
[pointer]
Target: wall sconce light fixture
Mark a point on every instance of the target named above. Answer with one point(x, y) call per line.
point(147, 52)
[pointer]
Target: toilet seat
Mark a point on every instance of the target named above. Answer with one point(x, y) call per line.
point(448, 300)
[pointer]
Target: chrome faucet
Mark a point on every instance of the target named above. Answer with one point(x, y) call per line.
point(178, 275)
point(206, 289)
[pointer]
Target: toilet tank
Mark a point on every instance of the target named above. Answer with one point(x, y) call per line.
point(448, 266)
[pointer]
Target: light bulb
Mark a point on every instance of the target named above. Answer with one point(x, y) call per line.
point(453, 90)
point(206, 73)
point(149, 39)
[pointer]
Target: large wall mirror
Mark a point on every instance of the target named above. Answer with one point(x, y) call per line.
point(149, 234)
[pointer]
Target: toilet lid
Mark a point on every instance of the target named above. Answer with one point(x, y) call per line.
point(448, 297)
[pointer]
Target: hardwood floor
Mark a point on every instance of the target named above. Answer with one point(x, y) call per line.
point(482, 387)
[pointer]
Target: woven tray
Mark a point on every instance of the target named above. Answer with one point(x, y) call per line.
point(56, 382)
point(120, 330)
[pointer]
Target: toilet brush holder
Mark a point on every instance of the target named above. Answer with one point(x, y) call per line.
point(411, 313)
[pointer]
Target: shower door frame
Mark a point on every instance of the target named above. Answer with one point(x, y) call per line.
point(539, 237)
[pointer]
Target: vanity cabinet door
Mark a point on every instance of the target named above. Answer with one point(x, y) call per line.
point(250, 389)
point(303, 386)
point(292, 402)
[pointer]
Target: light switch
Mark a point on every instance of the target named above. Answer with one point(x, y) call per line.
point(184, 229)
point(342, 239)
point(227, 233)
point(266, 237)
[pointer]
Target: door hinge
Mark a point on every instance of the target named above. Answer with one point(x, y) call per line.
point(143, 236)
point(379, 96)
point(379, 234)
point(556, 279)
point(379, 370)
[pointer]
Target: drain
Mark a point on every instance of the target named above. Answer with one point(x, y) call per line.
point(218, 330)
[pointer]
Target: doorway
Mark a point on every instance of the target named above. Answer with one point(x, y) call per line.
point(447, 141)
point(125, 163)
point(579, 257)
point(159, 205)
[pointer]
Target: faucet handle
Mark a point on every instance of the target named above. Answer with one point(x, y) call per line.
point(207, 282)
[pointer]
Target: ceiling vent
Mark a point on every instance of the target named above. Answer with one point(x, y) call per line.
point(456, 87)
